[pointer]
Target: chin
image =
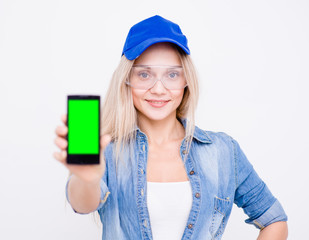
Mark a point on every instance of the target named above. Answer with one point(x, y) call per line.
point(156, 116)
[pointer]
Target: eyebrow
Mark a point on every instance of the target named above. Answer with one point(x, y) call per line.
point(154, 66)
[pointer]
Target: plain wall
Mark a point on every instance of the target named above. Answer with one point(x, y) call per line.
point(252, 60)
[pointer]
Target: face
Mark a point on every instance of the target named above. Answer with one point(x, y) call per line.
point(157, 103)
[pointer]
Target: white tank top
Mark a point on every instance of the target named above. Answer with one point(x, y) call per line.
point(169, 205)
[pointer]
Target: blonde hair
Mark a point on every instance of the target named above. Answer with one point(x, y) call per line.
point(118, 114)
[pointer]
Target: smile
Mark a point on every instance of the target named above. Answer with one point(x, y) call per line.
point(157, 104)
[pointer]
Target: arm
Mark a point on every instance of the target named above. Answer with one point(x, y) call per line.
point(84, 197)
point(252, 194)
point(86, 189)
point(274, 231)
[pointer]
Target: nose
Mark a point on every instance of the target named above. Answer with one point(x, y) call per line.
point(158, 87)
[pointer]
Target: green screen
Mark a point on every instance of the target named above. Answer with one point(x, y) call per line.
point(83, 123)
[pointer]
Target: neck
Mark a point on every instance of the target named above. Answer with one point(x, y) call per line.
point(160, 132)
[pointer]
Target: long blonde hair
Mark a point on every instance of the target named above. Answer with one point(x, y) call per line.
point(119, 116)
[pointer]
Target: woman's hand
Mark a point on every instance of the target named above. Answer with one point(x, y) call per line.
point(91, 173)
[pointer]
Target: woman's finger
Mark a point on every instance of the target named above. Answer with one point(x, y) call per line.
point(61, 131)
point(60, 156)
point(64, 119)
point(61, 143)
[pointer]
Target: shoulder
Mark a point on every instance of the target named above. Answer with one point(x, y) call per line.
point(215, 137)
point(224, 143)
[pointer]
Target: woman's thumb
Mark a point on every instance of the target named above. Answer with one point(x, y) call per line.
point(105, 140)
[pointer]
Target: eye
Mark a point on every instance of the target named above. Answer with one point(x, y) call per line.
point(173, 74)
point(143, 75)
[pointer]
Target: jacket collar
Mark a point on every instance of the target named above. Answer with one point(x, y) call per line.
point(199, 134)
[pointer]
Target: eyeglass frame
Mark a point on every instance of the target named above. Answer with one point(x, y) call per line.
point(157, 79)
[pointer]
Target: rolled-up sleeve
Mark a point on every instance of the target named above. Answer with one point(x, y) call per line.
point(253, 195)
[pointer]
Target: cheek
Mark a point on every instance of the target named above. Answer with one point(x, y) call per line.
point(137, 98)
point(178, 97)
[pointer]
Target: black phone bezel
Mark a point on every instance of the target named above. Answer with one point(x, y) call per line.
point(83, 159)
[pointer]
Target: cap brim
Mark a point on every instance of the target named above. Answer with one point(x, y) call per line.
point(136, 51)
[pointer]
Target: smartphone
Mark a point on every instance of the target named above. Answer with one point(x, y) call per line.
point(83, 122)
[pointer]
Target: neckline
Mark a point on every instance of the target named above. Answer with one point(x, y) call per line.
point(168, 182)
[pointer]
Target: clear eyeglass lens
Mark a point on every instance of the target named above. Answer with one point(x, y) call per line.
point(144, 77)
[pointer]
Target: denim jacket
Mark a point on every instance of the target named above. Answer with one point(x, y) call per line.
point(219, 173)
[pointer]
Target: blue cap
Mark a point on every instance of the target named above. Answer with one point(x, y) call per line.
point(150, 31)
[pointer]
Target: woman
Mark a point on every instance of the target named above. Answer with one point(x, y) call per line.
point(161, 177)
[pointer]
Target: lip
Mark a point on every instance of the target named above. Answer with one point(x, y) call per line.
point(157, 103)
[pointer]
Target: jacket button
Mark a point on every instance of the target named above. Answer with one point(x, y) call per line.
point(190, 226)
point(191, 172)
point(184, 152)
point(142, 192)
point(197, 195)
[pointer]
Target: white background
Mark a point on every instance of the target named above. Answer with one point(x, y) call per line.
point(252, 60)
